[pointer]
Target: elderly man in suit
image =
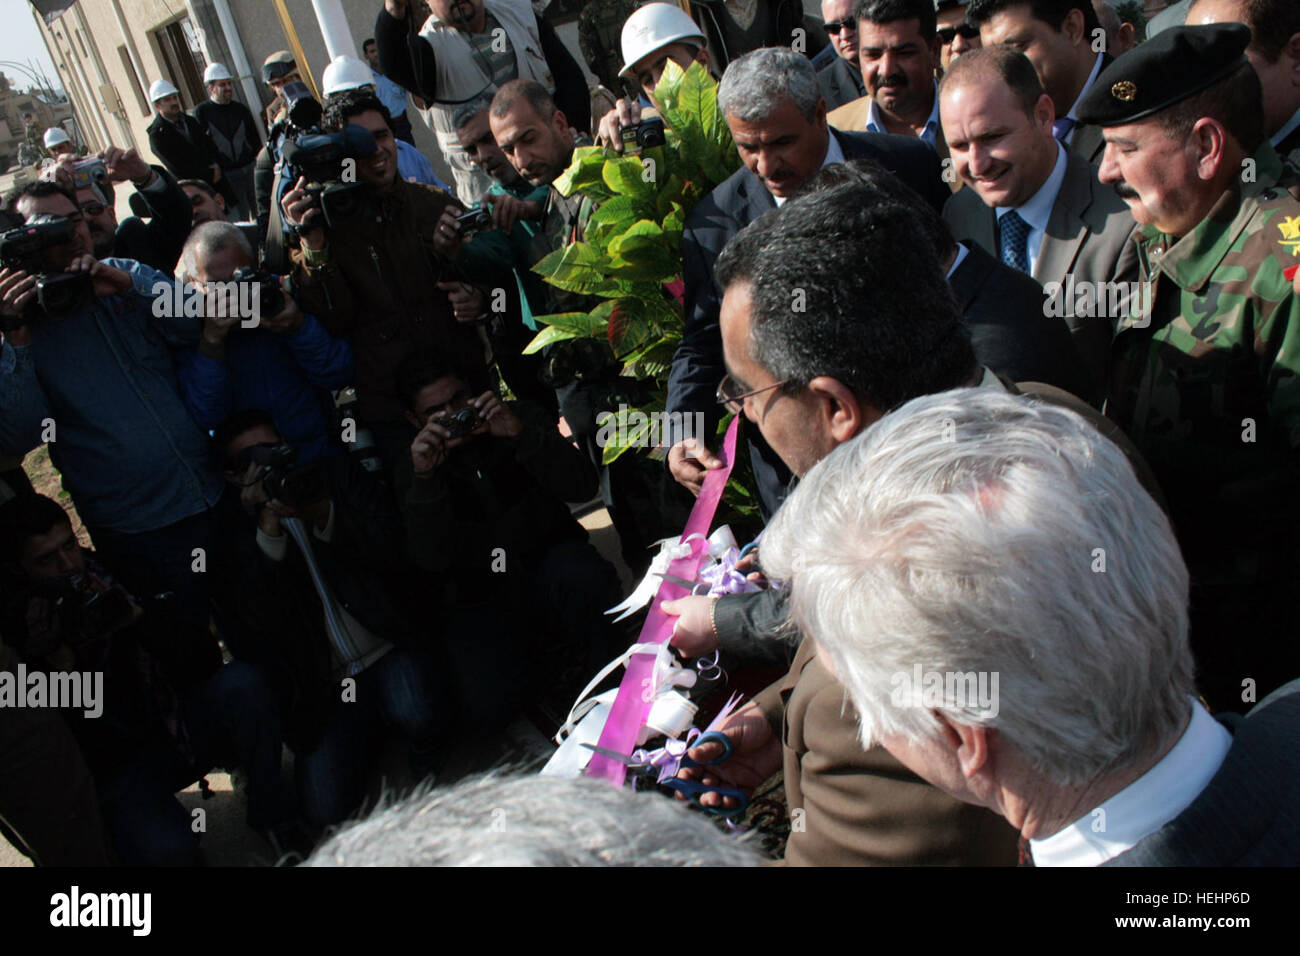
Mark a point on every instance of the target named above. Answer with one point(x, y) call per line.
point(778, 121)
point(1007, 609)
point(1033, 204)
point(1058, 38)
point(1274, 52)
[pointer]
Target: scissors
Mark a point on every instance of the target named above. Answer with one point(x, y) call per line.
point(687, 788)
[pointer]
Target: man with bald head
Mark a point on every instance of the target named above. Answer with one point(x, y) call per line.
point(1274, 52)
point(1037, 207)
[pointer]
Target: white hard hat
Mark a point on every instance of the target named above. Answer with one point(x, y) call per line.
point(160, 88)
point(216, 71)
point(345, 73)
point(653, 27)
point(55, 136)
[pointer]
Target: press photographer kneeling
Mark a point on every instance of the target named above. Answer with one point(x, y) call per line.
point(486, 512)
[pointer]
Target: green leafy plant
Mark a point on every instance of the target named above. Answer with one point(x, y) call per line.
point(631, 256)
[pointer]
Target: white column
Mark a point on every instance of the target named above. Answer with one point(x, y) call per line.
point(334, 28)
point(243, 70)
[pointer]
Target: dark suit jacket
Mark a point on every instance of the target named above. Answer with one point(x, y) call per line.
point(1003, 308)
point(190, 158)
point(1089, 239)
point(1246, 815)
point(1087, 140)
point(840, 82)
point(863, 807)
point(697, 365)
point(158, 241)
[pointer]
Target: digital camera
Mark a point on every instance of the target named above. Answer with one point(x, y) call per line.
point(644, 135)
point(282, 478)
point(460, 423)
point(270, 299)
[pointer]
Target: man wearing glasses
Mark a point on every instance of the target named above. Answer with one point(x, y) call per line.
point(955, 34)
point(839, 77)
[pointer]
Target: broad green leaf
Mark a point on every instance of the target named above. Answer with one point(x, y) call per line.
point(575, 268)
point(625, 176)
point(548, 335)
point(585, 170)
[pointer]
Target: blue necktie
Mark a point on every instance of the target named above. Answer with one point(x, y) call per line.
point(1013, 241)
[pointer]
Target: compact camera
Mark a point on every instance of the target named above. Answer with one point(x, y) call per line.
point(644, 135)
point(282, 477)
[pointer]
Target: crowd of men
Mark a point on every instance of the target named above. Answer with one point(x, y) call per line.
point(1035, 422)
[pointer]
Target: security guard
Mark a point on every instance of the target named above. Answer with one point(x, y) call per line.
point(1205, 371)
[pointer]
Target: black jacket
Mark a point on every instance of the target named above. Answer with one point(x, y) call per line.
point(697, 365)
point(233, 131)
point(188, 155)
point(840, 82)
point(158, 240)
point(1011, 334)
point(401, 48)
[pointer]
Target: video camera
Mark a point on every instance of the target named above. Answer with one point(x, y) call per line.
point(282, 477)
point(58, 294)
point(326, 160)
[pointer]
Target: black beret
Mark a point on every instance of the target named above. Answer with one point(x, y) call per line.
point(1171, 66)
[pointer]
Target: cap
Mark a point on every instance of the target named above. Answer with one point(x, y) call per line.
point(1168, 68)
point(160, 88)
point(278, 64)
point(345, 73)
point(216, 71)
point(653, 27)
point(55, 136)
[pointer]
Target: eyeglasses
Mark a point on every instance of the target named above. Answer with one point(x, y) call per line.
point(93, 208)
point(948, 34)
point(838, 25)
point(730, 395)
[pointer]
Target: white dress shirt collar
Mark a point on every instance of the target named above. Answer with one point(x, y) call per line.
point(876, 123)
point(1145, 805)
point(834, 154)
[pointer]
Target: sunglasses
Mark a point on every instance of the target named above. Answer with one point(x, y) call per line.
point(730, 393)
point(838, 25)
point(948, 34)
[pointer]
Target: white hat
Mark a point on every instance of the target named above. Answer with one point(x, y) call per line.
point(55, 136)
point(160, 88)
point(345, 73)
point(216, 71)
point(653, 27)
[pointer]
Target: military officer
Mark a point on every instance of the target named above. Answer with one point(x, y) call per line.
point(1204, 371)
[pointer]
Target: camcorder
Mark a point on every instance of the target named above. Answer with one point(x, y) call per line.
point(270, 296)
point(282, 478)
point(326, 160)
point(644, 135)
point(58, 294)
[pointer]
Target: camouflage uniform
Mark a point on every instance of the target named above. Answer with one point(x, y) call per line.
point(1207, 386)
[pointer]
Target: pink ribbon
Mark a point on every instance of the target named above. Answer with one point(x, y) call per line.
point(636, 691)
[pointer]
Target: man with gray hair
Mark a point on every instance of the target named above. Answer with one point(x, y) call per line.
point(257, 348)
point(1007, 609)
point(513, 820)
point(777, 118)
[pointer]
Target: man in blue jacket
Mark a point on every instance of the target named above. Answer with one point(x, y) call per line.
point(285, 362)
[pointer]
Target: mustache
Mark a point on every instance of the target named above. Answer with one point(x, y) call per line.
point(894, 79)
point(1125, 191)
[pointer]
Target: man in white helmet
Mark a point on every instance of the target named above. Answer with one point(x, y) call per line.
point(652, 35)
point(234, 133)
point(467, 48)
point(57, 142)
point(181, 142)
point(348, 73)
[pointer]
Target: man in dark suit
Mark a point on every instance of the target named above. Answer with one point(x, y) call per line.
point(1037, 207)
point(778, 121)
point(182, 143)
point(1082, 728)
point(1057, 37)
point(838, 75)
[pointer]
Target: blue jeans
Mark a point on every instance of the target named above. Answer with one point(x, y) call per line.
point(398, 692)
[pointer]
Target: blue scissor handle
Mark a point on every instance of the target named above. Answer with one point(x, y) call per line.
point(712, 737)
point(692, 790)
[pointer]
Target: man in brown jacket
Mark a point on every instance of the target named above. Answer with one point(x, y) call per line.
point(835, 310)
point(376, 278)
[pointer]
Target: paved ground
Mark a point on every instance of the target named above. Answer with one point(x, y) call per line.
point(228, 842)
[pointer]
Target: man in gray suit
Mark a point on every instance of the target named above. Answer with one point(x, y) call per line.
point(1060, 39)
point(943, 582)
point(1034, 205)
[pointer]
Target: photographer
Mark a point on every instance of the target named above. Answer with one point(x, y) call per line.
point(156, 242)
point(486, 511)
point(374, 276)
point(160, 709)
point(99, 385)
point(278, 358)
point(329, 613)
